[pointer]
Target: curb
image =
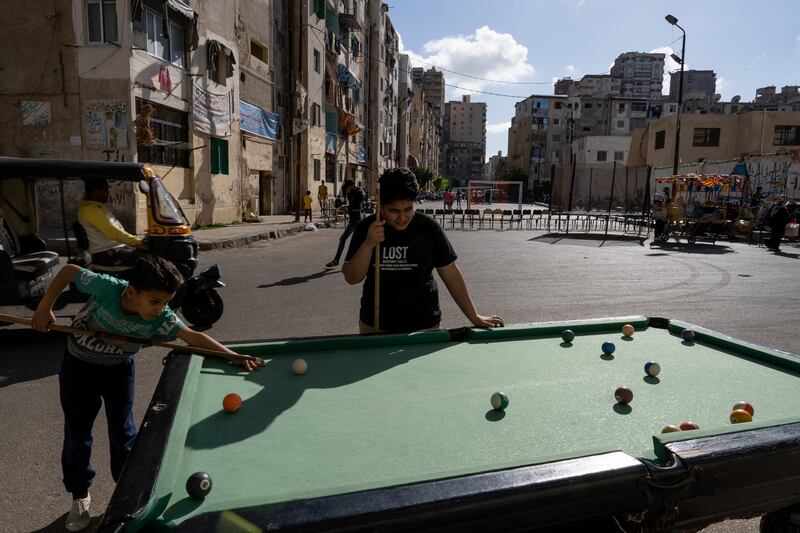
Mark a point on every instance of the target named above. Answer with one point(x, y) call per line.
point(236, 242)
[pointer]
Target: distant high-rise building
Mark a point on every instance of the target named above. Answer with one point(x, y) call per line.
point(562, 86)
point(642, 74)
point(697, 84)
point(464, 139)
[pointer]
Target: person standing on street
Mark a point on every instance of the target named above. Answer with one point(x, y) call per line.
point(308, 202)
point(355, 199)
point(322, 197)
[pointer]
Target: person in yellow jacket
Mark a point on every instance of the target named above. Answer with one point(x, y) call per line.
point(307, 203)
point(109, 243)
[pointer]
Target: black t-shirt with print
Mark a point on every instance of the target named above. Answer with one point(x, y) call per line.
point(409, 296)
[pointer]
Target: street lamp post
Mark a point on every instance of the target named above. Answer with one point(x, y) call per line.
point(682, 60)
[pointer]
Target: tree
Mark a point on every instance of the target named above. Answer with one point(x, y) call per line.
point(441, 183)
point(424, 176)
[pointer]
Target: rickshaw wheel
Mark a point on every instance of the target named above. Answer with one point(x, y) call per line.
point(202, 308)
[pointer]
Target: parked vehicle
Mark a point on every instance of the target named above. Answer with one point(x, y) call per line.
point(27, 267)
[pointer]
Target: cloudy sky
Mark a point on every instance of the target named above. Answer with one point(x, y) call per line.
point(518, 47)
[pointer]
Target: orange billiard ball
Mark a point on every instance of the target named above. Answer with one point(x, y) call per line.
point(231, 402)
point(744, 406)
point(740, 415)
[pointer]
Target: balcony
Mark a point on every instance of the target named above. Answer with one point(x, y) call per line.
point(349, 22)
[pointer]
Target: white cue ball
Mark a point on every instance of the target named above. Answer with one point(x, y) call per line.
point(299, 366)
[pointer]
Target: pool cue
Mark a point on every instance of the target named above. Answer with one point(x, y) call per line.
point(377, 312)
point(113, 336)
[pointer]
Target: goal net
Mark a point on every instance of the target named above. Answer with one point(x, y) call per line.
point(493, 194)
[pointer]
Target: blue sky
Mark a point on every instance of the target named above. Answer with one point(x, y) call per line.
point(748, 45)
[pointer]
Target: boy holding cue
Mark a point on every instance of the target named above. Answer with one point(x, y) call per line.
point(97, 370)
point(411, 246)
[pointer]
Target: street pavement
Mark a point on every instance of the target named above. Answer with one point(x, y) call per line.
point(279, 287)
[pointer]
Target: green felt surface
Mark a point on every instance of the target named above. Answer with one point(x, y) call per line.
point(384, 415)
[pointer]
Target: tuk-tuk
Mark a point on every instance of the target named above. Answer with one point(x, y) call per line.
point(27, 268)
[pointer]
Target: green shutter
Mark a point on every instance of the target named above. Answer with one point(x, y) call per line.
point(319, 9)
point(219, 156)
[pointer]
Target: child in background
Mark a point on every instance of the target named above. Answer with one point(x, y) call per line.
point(307, 203)
point(96, 371)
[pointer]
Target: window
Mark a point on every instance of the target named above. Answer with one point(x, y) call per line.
point(620, 123)
point(258, 51)
point(316, 61)
point(219, 156)
point(638, 122)
point(602, 155)
point(557, 138)
point(315, 115)
point(660, 136)
point(621, 108)
point(558, 105)
point(639, 107)
point(168, 125)
point(786, 135)
point(587, 106)
point(619, 156)
point(556, 121)
point(101, 16)
point(169, 48)
point(706, 137)
point(317, 170)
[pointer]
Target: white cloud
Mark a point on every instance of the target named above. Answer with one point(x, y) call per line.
point(570, 70)
point(483, 54)
point(722, 85)
point(500, 127)
point(670, 65)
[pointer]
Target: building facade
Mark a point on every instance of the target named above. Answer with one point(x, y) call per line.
point(464, 132)
point(641, 74)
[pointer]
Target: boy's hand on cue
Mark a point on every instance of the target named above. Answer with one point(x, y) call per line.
point(248, 362)
point(41, 320)
point(376, 234)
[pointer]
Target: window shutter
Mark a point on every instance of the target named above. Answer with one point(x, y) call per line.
point(319, 9)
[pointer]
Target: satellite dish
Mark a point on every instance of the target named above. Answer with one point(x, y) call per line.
point(736, 99)
point(717, 97)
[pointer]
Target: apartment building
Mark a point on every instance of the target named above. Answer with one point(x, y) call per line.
point(641, 74)
point(464, 138)
point(156, 82)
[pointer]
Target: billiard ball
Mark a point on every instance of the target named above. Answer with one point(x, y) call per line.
point(568, 335)
point(499, 401)
point(670, 429)
point(627, 330)
point(652, 369)
point(299, 366)
point(687, 335)
point(740, 415)
point(608, 348)
point(688, 426)
point(745, 406)
point(231, 402)
point(198, 485)
point(623, 395)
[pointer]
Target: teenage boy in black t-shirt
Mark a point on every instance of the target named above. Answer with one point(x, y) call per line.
point(412, 245)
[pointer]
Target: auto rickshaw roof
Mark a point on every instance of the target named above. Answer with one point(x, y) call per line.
point(27, 168)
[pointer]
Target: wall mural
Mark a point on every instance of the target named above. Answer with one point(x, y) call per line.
point(106, 127)
point(35, 113)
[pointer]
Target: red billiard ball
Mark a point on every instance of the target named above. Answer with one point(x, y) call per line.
point(744, 406)
point(623, 395)
point(231, 402)
point(688, 426)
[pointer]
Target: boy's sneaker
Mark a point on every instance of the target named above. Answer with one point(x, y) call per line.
point(78, 517)
point(332, 264)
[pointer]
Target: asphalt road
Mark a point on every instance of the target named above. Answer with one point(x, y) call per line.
point(281, 289)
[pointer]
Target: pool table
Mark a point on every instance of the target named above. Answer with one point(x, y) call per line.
point(397, 433)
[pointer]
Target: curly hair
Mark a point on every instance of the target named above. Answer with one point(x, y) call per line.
point(155, 274)
point(398, 184)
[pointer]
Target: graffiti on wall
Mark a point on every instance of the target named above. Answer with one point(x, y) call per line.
point(35, 113)
point(106, 127)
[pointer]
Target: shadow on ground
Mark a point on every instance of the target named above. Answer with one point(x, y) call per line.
point(696, 248)
point(29, 355)
point(287, 282)
point(595, 240)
